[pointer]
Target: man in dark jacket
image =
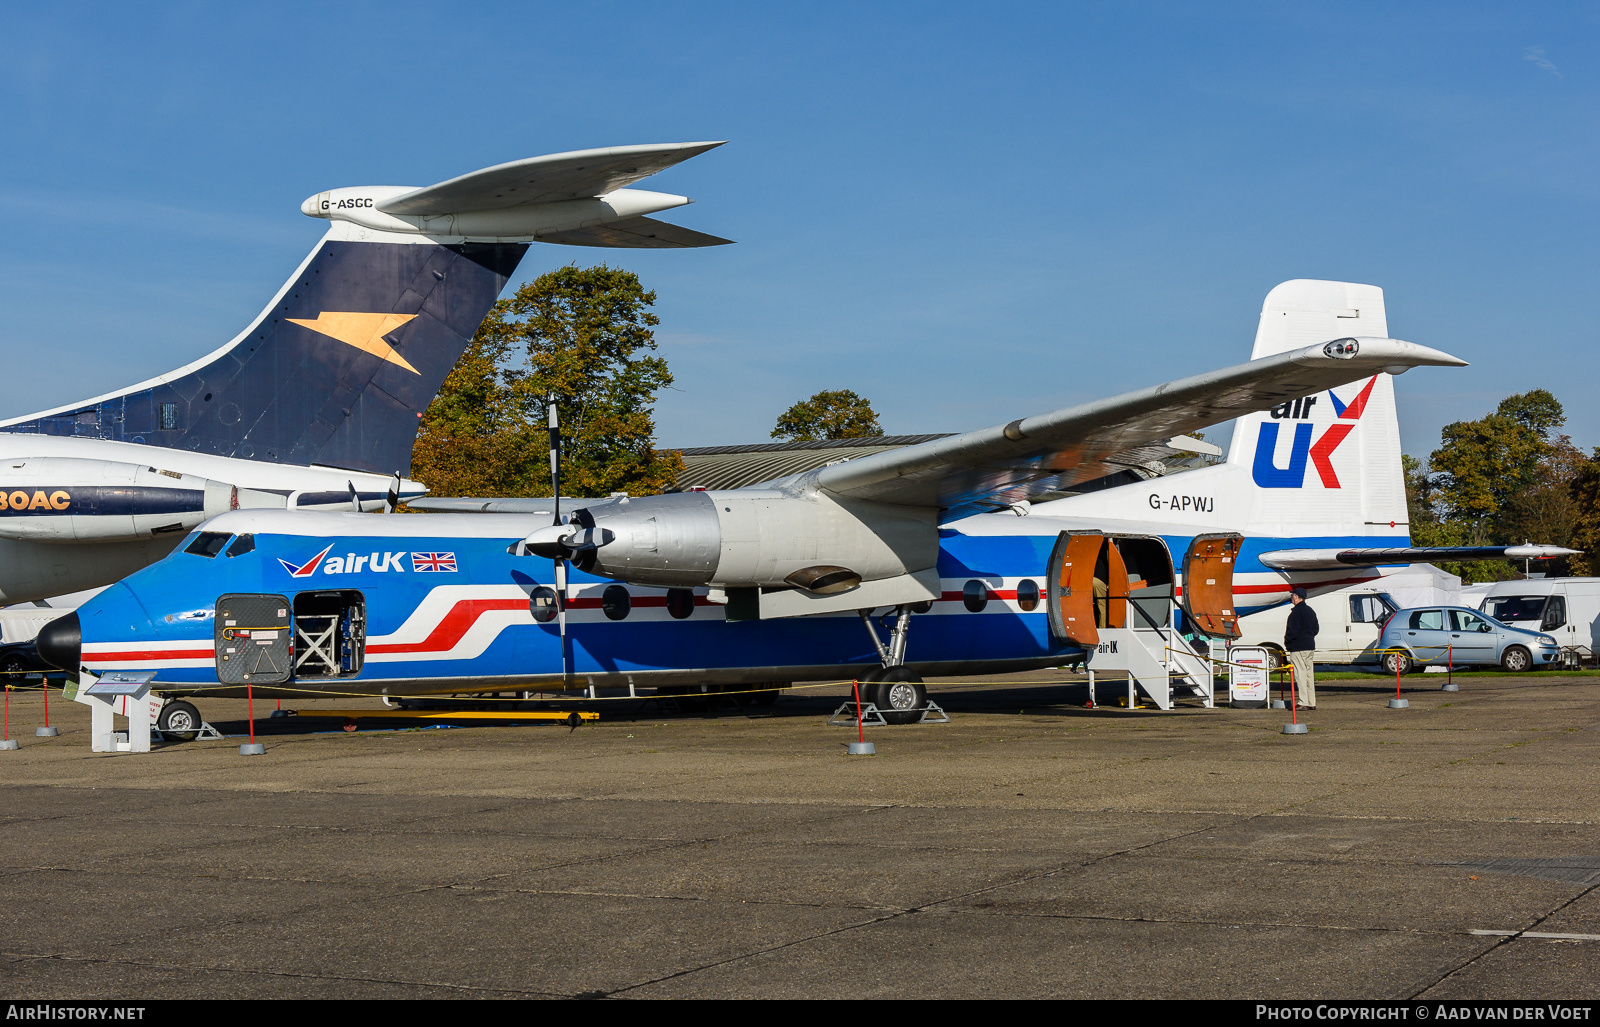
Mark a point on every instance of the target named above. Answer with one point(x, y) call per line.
point(1299, 640)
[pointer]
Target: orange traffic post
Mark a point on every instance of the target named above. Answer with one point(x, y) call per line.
point(1398, 703)
point(47, 731)
point(6, 741)
point(254, 748)
point(1294, 727)
point(1450, 672)
point(861, 747)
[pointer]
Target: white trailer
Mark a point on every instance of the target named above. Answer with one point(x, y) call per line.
point(1568, 609)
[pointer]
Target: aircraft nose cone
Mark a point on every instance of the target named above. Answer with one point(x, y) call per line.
point(311, 208)
point(61, 643)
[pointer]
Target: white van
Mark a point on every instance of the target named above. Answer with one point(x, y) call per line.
point(1566, 608)
point(1348, 624)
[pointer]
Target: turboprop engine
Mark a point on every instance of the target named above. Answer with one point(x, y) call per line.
point(749, 538)
point(63, 499)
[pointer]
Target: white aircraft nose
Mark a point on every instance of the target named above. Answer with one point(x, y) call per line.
point(310, 207)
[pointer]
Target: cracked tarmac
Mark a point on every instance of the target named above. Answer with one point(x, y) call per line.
point(1030, 848)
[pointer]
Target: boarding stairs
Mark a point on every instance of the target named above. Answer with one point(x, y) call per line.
point(1154, 658)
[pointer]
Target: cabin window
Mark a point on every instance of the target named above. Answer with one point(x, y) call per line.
point(975, 596)
point(330, 634)
point(243, 544)
point(208, 544)
point(680, 603)
point(542, 604)
point(616, 602)
point(1028, 595)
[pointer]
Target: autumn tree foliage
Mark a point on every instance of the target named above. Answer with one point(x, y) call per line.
point(830, 414)
point(582, 336)
point(1503, 479)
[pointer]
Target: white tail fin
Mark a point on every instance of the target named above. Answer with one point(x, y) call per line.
point(1325, 465)
point(1328, 463)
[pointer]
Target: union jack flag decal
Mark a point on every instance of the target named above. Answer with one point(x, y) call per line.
point(433, 562)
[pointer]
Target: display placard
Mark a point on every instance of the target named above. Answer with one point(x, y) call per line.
point(1248, 684)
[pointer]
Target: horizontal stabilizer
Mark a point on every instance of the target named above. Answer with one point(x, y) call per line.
point(1333, 559)
point(574, 175)
point(635, 233)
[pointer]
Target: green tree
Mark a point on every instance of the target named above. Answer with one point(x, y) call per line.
point(1495, 479)
point(1585, 492)
point(582, 336)
point(835, 414)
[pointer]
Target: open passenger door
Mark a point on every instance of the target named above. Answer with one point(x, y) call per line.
point(1077, 560)
point(1208, 584)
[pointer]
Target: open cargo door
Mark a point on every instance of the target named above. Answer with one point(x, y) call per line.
point(1208, 584)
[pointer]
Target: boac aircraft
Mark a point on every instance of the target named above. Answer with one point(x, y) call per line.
point(757, 587)
point(315, 404)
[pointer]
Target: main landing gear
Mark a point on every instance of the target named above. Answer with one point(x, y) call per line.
point(898, 693)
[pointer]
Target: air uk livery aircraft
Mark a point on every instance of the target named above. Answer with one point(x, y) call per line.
point(760, 586)
point(315, 404)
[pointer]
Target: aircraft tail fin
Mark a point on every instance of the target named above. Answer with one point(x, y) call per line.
point(1326, 463)
point(335, 371)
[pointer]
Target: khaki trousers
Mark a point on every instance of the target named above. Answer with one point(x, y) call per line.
point(1305, 678)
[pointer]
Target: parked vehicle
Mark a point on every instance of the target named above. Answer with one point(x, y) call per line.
point(20, 659)
point(1348, 624)
point(1453, 634)
point(1566, 608)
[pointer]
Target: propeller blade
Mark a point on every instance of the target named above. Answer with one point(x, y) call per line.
point(355, 499)
point(391, 498)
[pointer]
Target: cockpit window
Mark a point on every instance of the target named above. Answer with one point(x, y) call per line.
point(208, 544)
point(242, 545)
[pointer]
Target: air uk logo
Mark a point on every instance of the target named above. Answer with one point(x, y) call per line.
point(1269, 475)
point(353, 563)
point(304, 570)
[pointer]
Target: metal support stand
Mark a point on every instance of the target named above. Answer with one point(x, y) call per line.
point(1090, 703)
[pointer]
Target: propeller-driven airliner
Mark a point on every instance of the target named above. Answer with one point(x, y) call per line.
point(928, 559)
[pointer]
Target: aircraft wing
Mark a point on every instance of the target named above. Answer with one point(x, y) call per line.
point(1004, 464)
point(576, 175)
point(635, 233)
point(1334, 559)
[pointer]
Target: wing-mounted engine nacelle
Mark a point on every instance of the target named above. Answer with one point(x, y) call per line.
point(746, 538)
point(62, 499)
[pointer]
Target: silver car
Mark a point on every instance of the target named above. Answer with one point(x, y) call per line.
point(1463, 637)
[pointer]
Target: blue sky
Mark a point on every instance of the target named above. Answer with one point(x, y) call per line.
point(965, 213)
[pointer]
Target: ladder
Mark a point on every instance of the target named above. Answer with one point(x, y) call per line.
point(1155, 658)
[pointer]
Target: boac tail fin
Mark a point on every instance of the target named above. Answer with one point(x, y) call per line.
point(336, 370)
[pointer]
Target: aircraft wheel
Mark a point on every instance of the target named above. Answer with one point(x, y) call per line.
point(1397, 663)
point(763, 698)
point(1276, 660)
point(179, 721)
point(899, 695)
point(1515, 660)
point(14, 667)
